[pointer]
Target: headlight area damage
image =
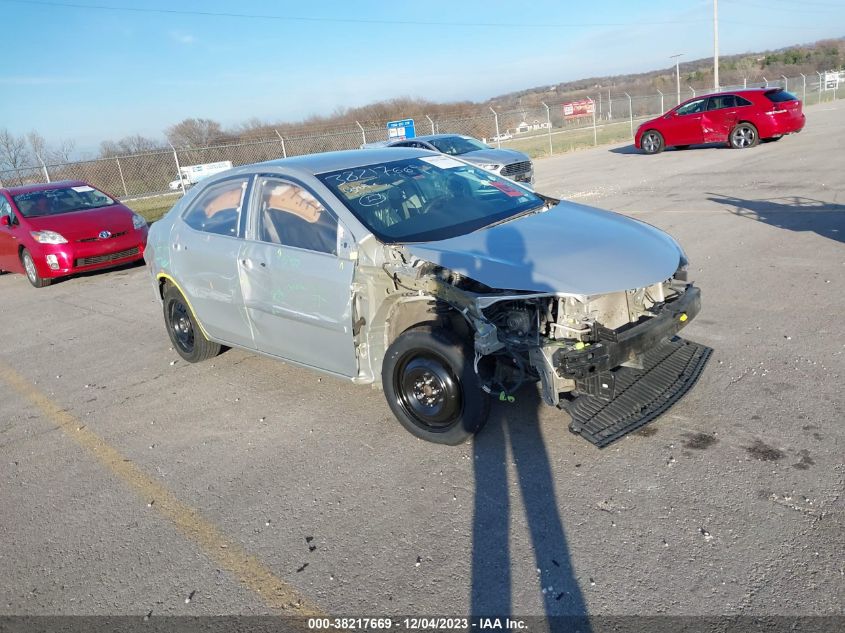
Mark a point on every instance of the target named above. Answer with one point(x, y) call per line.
point(612, 361)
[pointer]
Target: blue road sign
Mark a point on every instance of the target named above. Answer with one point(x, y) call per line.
point(398, 130)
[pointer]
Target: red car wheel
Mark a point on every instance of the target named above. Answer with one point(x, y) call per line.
point(652, 142)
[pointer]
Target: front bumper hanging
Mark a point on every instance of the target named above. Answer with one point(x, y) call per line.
point(638, 395)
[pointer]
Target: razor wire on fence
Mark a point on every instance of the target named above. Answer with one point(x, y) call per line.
point(538, 129)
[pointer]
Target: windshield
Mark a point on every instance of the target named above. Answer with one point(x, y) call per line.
point(456, 145)
point(427, 198)
point(60, 200)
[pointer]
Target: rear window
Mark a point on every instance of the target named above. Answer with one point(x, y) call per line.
point(779, 96)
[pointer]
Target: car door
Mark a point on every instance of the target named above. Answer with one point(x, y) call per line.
point(206, 243)
point(683, 127)
point(8, 239)
point(719, 118)
point(297, 289)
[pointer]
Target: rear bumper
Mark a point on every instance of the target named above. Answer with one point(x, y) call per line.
point(76, 257)
point(780, 125)
point(630, 344)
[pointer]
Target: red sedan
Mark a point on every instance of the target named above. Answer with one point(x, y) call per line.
point(58, 229)
point(741, 119)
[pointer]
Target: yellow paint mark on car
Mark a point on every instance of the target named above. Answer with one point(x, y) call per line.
point(275, 592)
point(167, 277)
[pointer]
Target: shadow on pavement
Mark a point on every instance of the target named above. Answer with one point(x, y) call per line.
point(793, 213)
point(517, 427)
point(513, 434)
point(631, 150)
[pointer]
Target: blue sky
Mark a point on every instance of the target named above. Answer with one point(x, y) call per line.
point(93, 73)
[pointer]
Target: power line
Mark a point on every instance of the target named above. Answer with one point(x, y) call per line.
point(801, 4)
point(288, 18)
point(772, 26)
point(790, 9)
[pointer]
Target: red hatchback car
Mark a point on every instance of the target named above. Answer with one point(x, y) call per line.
point(61, 228)
point(741, 118)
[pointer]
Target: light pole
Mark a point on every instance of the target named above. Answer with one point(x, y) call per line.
point(677, 75)
point(716, 45)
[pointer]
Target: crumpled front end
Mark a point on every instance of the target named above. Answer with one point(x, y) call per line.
point(563, 340)
point(568, 341)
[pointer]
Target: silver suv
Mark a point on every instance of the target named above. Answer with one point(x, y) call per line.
point(505, 162)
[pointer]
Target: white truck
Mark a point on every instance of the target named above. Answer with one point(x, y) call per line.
point(192, 174)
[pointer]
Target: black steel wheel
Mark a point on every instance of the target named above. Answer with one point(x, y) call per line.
point(431, 386)
point(187, 338)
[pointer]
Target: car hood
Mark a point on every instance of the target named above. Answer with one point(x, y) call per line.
point(86, 223)
point(502, 156)
point(571, 249)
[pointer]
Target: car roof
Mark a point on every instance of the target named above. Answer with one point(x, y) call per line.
point(741, 92)
point(344, 159)
point(432, 137)
point(44, 186)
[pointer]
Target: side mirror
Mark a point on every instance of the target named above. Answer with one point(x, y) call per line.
point(5, 220)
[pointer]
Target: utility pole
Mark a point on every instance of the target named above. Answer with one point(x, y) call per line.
point(716, 45)
point(677, 76)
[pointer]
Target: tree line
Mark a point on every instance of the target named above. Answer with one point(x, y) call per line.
point(33, 150)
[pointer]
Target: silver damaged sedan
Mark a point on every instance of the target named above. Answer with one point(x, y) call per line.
point(440, 281)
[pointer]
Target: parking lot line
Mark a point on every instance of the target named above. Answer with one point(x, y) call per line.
point(275, 592)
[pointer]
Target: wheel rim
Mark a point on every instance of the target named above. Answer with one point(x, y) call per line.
point(428, 392)
point(650, 142)
point(743, 136)
point(29, 266)
point(181, 326)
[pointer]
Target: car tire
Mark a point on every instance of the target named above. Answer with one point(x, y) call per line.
point(652, 142)
point(682, 146)
point(182, 327)
point(431, 386)
point(743, 136)
point(32, 272)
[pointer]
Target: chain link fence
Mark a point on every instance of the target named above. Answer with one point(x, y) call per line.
point(538, 130)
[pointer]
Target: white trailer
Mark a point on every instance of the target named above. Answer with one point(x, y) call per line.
point(192, 174)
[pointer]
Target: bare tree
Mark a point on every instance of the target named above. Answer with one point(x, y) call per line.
point(14, 153)
point(135, 144)
point(64, 151)
point(194, 133)
point(38, 145)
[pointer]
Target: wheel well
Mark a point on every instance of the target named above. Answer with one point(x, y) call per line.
point(410, 314)
point(162, 285)
point(407, 315)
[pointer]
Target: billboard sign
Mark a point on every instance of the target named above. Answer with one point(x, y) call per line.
point(831, 80)
point(574, 109)
point(399, 130)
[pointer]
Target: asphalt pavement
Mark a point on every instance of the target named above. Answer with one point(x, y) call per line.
point(136, 483)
